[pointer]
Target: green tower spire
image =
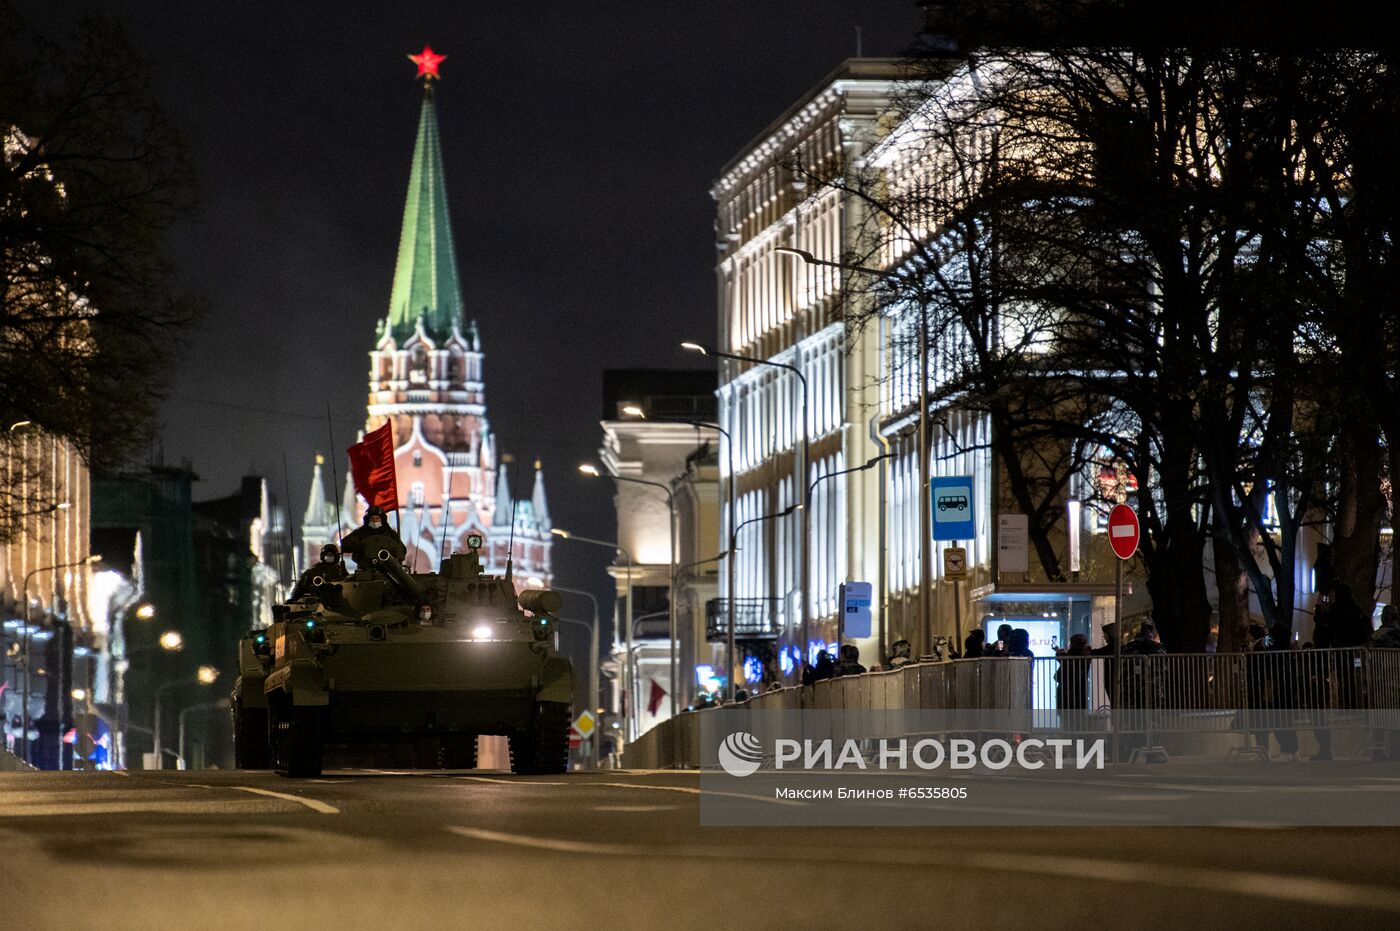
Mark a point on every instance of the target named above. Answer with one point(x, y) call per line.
point(425, 276)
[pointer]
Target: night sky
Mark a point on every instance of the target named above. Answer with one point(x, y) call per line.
point(580, 141)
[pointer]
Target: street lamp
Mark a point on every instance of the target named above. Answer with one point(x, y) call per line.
point(803, 450)
point(204, 676)
point(596, 661)
point(841, 619)
point(627, 716)
point(925, 505)
point(172, 640)
point(145, 611)
point(589, 469)
point(29, 626)
point(733, 555)
point(733, 482)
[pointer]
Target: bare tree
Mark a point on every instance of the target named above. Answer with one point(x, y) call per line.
point(1109, 244)
point(93, 178)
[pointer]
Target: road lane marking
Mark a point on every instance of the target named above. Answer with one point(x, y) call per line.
point(1328, 893)
point(88, 809)
point(692, 791)
point(514, 782)
point(558, 845)
point(635, 808)
point(313, 804)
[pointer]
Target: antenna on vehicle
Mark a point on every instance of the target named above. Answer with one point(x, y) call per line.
point(510, 547)
point(335, 479)
point(446, 516)
point(287, 516)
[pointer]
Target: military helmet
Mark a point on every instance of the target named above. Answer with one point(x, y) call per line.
point(330, 550)
point(374, 511)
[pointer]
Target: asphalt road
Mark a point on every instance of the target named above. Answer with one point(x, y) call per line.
point(481, 849)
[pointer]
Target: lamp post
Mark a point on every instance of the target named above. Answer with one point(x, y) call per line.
point(627, 716)
point(925, 506)
point(733, 554)
point(802, 450)
point(204, 676)
point(729, 460)
point(588, 469)
point(596, 661)
point(841, 619)
point(29, 629)
point(683, 570)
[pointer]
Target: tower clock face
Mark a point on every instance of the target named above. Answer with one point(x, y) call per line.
point(474, 541)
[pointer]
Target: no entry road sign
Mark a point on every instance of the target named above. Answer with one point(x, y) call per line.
point(1123, 531)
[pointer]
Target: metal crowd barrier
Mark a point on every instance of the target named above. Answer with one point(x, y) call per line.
point(1206, 703)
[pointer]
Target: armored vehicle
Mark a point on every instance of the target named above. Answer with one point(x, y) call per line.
point(388, 663)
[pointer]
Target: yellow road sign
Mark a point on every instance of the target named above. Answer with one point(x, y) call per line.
point(586, 724)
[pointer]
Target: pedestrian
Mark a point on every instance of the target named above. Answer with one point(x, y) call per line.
point(1278, 694)
point(1142, 689)
point(1315, 694)
point(1387, 636)
point(850, 661)
point(1349, 628)
point(1110, 674)
point(974, 645)
point(1003, 642)
point(1338, 626)
point(1072, 678)
point(1020, 643)
point(823, 669)
point(901, 654)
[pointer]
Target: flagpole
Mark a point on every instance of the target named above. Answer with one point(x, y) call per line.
point(335, 479)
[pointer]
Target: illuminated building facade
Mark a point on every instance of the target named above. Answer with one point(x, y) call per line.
point(649, 436)
point(45, 610)
point(774, 307)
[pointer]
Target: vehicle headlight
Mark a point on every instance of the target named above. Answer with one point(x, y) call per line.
point(482, 632)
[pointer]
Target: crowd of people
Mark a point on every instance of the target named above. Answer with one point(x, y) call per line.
point(1272, 684)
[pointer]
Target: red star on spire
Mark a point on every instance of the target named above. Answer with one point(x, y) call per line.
point(428, 63)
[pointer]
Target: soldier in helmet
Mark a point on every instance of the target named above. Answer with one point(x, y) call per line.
point(329, 570)
point(375, 534)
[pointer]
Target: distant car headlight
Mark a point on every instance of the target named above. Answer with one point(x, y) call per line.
point(482, 632)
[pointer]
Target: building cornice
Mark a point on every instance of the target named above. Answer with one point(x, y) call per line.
point(873, 76)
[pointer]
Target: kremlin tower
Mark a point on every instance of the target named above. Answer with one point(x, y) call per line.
point(426, 379)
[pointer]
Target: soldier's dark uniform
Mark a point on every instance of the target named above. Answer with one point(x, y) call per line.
point(328, 572)
point(365, 542)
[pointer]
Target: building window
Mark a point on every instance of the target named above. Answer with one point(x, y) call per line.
point(415, 495)
point(417, 458)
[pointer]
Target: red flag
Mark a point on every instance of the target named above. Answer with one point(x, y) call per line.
point(70, 736)
point(657, 693)
point(372, 465)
